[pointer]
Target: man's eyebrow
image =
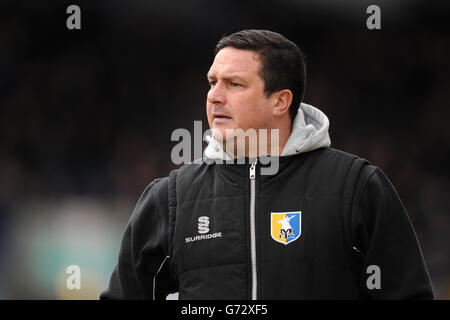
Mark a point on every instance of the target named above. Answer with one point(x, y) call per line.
point(230, 77)
point(233, 77)
point(209, 75)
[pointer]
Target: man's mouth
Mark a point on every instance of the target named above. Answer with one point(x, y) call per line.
point(221, 118)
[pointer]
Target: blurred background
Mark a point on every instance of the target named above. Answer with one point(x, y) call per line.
point(86, 116)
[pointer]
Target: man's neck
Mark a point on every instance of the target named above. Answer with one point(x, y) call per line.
point(268, 142)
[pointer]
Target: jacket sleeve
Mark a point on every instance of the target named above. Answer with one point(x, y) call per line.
point(386, 239)
point(143, 268)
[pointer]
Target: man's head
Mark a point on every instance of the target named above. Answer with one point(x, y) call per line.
point(257, 80)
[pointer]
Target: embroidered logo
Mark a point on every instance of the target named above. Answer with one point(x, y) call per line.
point(203, 227)
point(286, 227)
point(203, 224)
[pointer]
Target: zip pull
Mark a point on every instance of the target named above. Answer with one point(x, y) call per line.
point(253, 170)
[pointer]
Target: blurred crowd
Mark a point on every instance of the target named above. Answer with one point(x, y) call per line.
point(86, 119)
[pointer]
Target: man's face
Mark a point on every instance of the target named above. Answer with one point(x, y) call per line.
point(236, 98)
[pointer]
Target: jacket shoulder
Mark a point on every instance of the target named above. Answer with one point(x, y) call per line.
point(336, 154)
point(334, 161)
point(154, 196)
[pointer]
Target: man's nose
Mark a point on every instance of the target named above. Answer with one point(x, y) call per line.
point(216, 94)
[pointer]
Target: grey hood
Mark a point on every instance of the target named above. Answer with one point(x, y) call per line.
point(309, 132)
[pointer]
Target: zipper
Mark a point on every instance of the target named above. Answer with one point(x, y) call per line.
point(253, 229)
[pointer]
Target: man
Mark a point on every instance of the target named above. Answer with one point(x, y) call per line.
point(314, 229)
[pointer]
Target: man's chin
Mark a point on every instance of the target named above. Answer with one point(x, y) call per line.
point(223, 134)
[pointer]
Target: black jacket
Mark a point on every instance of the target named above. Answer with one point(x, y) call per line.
point(209, 231)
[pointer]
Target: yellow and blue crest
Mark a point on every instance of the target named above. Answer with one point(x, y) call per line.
point(286, 227)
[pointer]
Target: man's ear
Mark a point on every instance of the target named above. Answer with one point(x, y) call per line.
point(282, 101)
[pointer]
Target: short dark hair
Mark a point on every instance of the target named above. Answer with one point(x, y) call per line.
point(283, 63)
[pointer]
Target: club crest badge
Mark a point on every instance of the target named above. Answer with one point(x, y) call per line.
point(286, 227)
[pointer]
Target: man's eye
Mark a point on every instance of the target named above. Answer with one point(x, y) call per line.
point(212, 83)
point(234, 84)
